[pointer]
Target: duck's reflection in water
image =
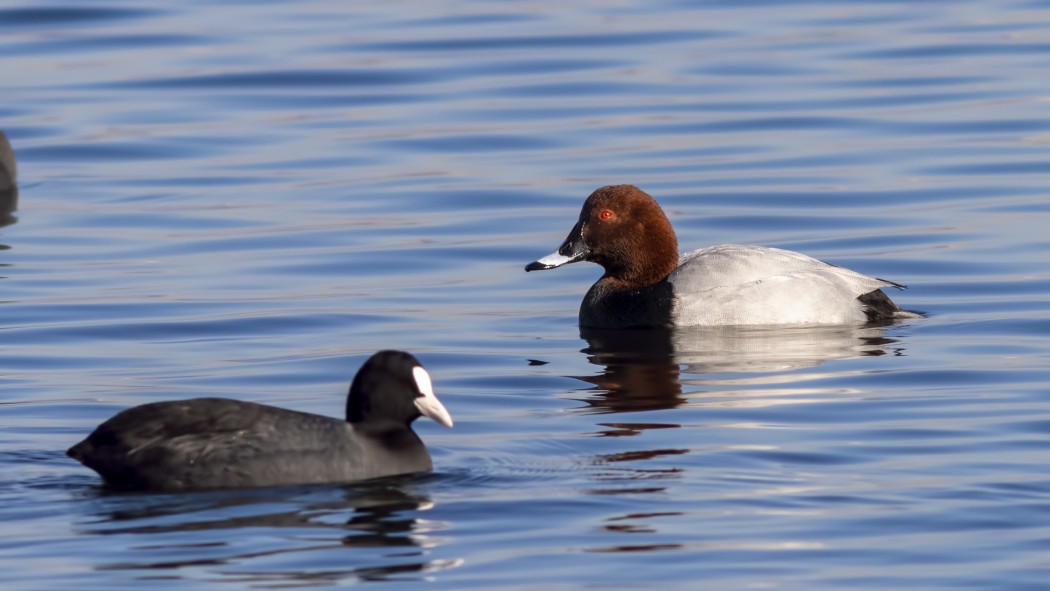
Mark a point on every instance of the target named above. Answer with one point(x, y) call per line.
point(638, 370)
point(642, 369)
point(657, 369)
point(380, 520)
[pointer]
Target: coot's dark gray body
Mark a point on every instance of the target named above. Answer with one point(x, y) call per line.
point(221, 443)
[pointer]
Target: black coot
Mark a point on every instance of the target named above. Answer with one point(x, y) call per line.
point(219, 443)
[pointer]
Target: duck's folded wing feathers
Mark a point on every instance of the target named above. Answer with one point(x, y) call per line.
point(752, 285)
point(736, 265)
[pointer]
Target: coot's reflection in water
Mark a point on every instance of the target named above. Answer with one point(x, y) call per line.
point(378, 520)
point(642, 368)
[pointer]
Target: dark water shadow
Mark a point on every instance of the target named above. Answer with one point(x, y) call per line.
point(377, 519)
point(642, 369)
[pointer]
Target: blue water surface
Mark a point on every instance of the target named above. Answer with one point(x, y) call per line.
point(248, 198)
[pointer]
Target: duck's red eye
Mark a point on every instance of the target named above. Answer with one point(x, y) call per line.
point(605, 214)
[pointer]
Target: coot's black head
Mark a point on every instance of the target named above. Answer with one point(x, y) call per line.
point(393, 386)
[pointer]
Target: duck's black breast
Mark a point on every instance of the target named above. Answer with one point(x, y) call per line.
point(218, 443)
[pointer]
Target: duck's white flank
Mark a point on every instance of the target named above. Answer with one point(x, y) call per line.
point(739, 284)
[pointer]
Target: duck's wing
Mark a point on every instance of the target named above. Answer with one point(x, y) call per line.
point(747, 285)
point(726, 265)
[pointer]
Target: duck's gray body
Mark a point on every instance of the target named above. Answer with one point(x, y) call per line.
point(745, 284)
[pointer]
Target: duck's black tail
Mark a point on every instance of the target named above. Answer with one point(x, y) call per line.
point(880, 309)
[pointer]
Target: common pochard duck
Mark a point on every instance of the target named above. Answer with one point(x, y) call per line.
point(646, 283)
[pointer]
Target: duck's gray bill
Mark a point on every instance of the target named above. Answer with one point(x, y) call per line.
point(572, 250)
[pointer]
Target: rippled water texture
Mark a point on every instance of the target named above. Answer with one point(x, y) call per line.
point(246, 199)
